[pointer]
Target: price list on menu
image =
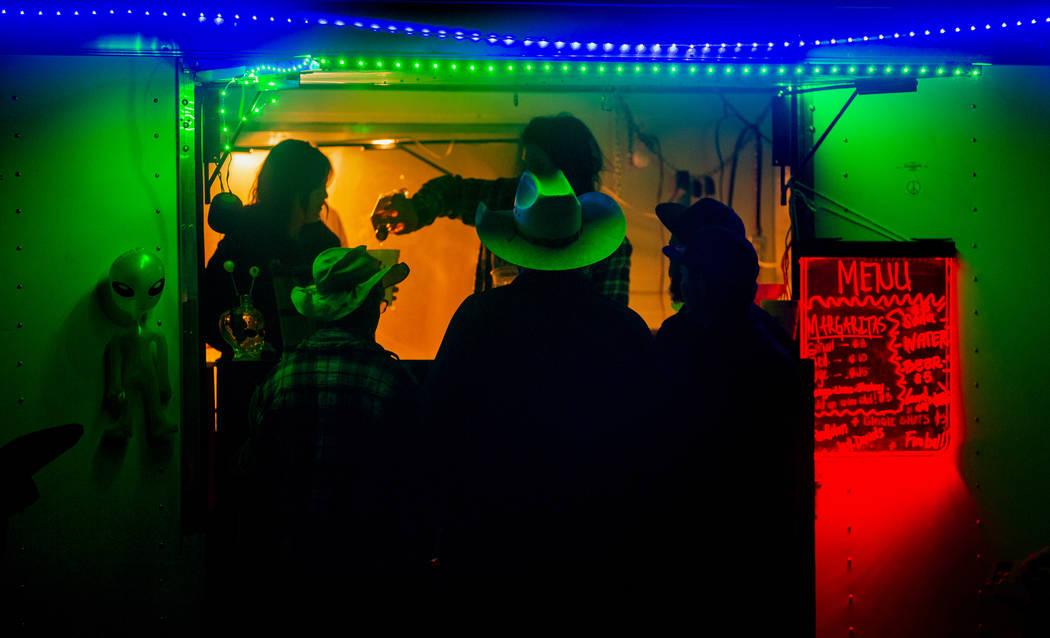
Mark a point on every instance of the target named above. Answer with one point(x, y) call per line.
point(877, 330)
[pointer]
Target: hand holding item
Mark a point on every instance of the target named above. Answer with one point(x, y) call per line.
point(394, 212)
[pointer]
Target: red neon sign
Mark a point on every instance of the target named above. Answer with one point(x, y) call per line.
point(877, 329)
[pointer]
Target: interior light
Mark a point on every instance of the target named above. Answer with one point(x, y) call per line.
point(764, 70)
point(383, 144)
point(834, 69)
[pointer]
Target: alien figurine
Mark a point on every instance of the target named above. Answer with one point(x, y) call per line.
point(136, 359)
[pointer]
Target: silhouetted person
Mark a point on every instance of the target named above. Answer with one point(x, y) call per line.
point(729, 443)
point(533, 397)
point(281, 223)
point(327, 470)
point(684, 223)
point(558, 142)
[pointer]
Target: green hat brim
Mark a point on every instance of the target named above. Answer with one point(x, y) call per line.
point(313, 304)
point(603, 229)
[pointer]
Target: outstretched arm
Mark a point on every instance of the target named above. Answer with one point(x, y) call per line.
point(446, 196)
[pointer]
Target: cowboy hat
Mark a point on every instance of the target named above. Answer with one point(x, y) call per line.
point(550, 228)
point(343, 277)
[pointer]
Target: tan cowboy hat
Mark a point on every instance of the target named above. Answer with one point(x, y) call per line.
point(343, 277)
point(550, 228)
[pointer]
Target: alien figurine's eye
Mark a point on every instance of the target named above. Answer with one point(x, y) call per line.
point(156, 288)
point(123, 289)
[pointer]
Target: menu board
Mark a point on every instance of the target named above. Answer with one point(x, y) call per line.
point(877, 329)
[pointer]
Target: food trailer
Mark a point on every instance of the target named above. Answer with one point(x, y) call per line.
point(888, 164)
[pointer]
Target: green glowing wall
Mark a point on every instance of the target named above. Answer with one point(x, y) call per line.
point(964, 159)
point(88, 171)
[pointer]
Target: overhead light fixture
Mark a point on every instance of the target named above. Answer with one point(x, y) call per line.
point(383, 144)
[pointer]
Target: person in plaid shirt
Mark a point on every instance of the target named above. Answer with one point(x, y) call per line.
point(559, 142)
point(327, 468)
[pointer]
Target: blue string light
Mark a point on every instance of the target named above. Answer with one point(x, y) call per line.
point(606, 49)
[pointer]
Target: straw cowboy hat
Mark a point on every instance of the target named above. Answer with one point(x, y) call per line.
point(550, 228)
point(343, 277)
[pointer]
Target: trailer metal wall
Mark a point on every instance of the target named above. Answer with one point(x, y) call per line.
point(904, 546)
point(89, 171)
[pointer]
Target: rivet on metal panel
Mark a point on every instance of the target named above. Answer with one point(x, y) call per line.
point(975, 279)
point(845, 140)
point(978, 522)
point(156, 174)
point(974, 140)
point(156, 135)
point(845, 175)
point(14, 97)
point(812, 107)
point(185, 148)
point(159, 324)
point(161, 507)
point(158, 249)
point(20, 364)
point(19, 324)
point(812, 128)
point(976, 384)
point(185, 101)
point(18, 135)
point(975, 209)
point(155, 100)
point(973, 106)
point(975, 173)
point(18, 211)
point(18, 286)
point(18, 248)
point(849, 529)
point(975, 312)
point(21, 399)
point(974, 244)
point(157, 211)
point(18, 173)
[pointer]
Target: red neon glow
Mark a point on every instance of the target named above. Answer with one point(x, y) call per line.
point(878, 331)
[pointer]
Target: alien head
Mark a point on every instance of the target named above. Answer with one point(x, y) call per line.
point(133, 288)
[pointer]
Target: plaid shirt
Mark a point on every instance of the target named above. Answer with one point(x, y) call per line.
point(324, 464)
point(457, 197)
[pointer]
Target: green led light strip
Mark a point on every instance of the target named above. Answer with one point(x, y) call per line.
point(482, 69)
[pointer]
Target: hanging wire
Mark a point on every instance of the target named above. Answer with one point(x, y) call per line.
point(847, 214)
